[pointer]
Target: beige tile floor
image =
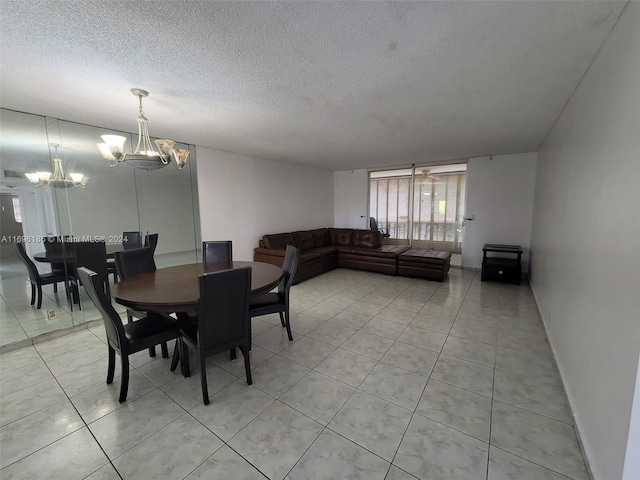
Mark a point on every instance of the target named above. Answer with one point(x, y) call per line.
point(387, 378)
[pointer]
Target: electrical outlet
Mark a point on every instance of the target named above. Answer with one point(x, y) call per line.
point(52, 314)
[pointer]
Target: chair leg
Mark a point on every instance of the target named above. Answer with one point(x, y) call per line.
point(247, 364)
point(184, 359)
point(39, 297)
point(33, 294)
point(124, 385)
point(55, 288)
point(282, 319)
point(203, 380)
point(165, 350)
point(111, 366)
point(232, 353)
point(288, 325)
point(176, 355)
point(152, 351)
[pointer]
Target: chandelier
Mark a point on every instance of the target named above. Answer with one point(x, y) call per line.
point(145, 156)
point(57, 179)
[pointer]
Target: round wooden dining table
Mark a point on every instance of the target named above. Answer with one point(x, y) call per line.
point(177, 289)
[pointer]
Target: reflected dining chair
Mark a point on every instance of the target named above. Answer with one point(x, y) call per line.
point(223, 322)
point(55, 246)
point(278, 302)
point(91, 255)
point(125, 339)
point(131, 240)
point(38, 279)
point(132, 262)
point(217, 251)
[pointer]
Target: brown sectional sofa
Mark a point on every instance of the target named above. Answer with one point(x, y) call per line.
point(324, 249)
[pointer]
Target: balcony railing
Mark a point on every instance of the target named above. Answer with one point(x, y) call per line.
point(448, 233)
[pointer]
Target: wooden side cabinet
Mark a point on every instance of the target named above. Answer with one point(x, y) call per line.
point(501, 263)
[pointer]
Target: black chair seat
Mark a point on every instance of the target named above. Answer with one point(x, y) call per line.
point(52, 277)
point(156, 329)
point(269, 302)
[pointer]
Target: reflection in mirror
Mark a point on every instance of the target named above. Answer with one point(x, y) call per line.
point(115, 199)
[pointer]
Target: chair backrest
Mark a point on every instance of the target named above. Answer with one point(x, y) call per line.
point(151, 240)
point(91, 255)
point(289, 267)
point(55, 244)
point(134, 261)
point(131, 240)
point(373, 224)
point(217, 251)
point(34, 275)
point(112, 321)
point(223, 308)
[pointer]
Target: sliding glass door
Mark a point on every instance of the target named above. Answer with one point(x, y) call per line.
point(421, 206)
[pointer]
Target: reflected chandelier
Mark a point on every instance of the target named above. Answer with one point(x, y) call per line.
point(145, 156)
point(57, 179)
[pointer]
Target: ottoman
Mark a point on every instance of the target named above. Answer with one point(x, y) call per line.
point(430, 264)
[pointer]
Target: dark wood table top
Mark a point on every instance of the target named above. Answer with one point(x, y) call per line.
point(67, 256)
point(176, 289)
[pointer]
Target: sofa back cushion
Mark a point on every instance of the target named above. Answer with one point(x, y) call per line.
point(278, 241)
point(366, 238)
point(320, 237)
point(340, 237)
point(303, 240)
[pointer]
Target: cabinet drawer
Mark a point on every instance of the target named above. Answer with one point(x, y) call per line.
point(501, 273)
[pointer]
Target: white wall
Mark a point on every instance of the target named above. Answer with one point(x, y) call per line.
point(500, 191)
point(243, 198)
point(351, 191)
point(585, 267)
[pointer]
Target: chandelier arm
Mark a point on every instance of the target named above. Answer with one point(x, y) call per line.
point(145, 155)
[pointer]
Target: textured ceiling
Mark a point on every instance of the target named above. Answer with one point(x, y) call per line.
point(335, 85)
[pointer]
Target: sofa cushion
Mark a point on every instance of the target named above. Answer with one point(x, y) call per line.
point(385, 251)
point(303, 240)
point(366, 238)
point(278, 241)
point(320, 237)
point(427, 257)
point(328, 250)
point(340, 236)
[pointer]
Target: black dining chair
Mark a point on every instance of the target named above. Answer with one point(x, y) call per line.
point(278, 302)
point(373, 225)
point(132, 262)
point(55, 246)
point(91, 255)
point(125, 339)
point(217, 251)
point(223, 322)
point(151, 241)
point(38, 279)
point(131, 240)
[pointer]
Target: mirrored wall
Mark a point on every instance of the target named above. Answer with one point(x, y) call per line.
point(113, 200)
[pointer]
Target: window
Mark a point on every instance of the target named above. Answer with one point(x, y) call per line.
point(423, 205)
point(17, 213)
point(389, 193)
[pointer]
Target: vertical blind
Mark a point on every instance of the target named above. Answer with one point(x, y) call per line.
point(424, 205)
